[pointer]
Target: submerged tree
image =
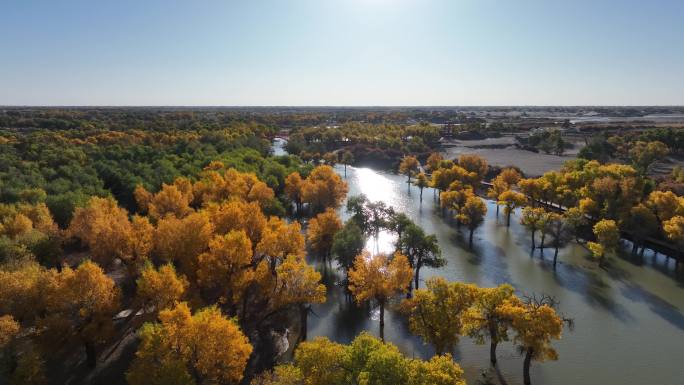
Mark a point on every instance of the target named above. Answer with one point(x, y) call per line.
point(347, 244)
point(409, 165)
point(421, 182)
point(532, 219)
point(323, 189)
point(379, 278)
point(607, 239)
point(293, 190)
point(436, 313)
point(488, 317)
point(421, 250)
point(560, 230)
point(347, 159)
point(472, 214)
point(535, 323)
point(321, 232)
point(511, 200)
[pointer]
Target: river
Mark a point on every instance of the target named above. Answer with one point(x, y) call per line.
point(629, 318)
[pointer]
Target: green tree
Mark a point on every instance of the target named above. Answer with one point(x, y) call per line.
point(421, 250)
point(347, 244)
point(347, 159)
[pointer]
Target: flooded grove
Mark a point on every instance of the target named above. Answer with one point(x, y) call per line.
point(629, 318)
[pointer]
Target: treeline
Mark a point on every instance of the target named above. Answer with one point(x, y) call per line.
point(64, 167)
point(624, 146)
point(379, 144)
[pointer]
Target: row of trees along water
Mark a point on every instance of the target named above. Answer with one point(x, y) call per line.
point(610, 198)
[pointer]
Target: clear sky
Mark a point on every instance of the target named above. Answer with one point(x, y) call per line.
point(342, 52)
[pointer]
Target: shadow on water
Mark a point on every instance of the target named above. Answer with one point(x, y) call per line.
point(657, 305)
point(592, 287)
point(348, 320)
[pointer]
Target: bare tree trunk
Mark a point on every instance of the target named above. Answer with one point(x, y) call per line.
point(91, 354)
point(304, 318)
point(526, 366)
point(470, 238)
point(555, 255)
point(416, 279)
point(382, 320)
point(494, 342)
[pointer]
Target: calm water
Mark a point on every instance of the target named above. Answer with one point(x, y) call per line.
point(629, 319)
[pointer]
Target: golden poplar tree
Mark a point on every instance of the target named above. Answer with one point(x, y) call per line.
point(321, 232)
point(435, 313)
point(204, 348)
point(379, 278)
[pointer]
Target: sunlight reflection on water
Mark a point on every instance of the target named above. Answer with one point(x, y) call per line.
point(377, 187)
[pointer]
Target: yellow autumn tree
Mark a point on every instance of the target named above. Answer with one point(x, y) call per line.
point(170, 200)
point(476, 167)
point(408, 166)
point(674, 230)
point(204, 348)
point(435, 313)
point(322, 230)
point(104, 228)
point(293, 189)
point(472, 214)
point(235, 215)
point(421, 182)
point(297, 284)
point(607, 236)
point(487, 317)
point(379, 278)
point(81, 303)
point(9, 328)
point(182, 240)
point(226, 268)
point(323, 188)
point(366, 360)
point(161, 288)
point(535, 325)
point(279, 240)
point(511, 200)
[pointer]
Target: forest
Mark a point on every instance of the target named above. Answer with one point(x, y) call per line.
point(147, 246)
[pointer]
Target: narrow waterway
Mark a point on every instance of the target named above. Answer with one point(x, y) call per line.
point(629, 317)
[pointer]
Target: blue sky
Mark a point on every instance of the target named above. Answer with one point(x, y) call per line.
point(342, 52)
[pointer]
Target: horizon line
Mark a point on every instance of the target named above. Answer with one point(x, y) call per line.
point(335, 106)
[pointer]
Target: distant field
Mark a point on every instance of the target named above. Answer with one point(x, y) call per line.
point(532, 164)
